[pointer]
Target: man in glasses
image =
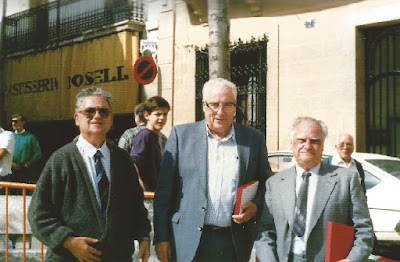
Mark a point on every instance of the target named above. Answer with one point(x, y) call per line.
point(88, 205)
point(344, 149)
point(204, 164)
point(301, 200)
point(27, 152)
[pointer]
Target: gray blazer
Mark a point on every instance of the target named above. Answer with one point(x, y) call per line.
point(181, 194)
point(339, 198)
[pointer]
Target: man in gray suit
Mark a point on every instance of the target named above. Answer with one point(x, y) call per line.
point(203, 166)
point(334, 195)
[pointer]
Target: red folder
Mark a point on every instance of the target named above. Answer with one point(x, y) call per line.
point(339, 241)
point(244, 195)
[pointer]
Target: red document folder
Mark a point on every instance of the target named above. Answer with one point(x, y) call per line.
point(339, 241)
point(244, 195)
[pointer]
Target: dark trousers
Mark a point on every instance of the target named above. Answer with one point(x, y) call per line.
point(216, 246)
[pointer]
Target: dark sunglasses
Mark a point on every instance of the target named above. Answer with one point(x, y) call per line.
point(14, 121)
point(91, 111)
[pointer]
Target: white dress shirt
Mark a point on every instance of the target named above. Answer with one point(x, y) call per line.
point(338, 161)
point(7, 142)
point(223, 175)
point(299, 243)
point(88, 151)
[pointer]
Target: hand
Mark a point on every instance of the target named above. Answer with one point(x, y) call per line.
point(163, 250)
point(15, 166)
point(81, 249)
point(249, 211)
point(28, 164)
point(144, 251)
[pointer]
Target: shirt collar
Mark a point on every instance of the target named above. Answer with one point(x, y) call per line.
point(90, 149)
point(229, 136)
point(23, 131)
point(300, 170)
point(338, 161)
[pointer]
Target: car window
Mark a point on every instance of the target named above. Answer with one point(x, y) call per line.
point(279, 163)
point(388, 165)
point(370, 180)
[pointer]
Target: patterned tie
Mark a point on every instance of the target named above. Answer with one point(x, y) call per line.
point(299, 224)
point(102, 182)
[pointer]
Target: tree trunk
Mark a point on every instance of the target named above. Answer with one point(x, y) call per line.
point(219, 55)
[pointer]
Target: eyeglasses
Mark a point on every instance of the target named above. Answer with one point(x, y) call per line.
point(215, 106)
point(345, 145)
point(14, 121)
point(91, 111)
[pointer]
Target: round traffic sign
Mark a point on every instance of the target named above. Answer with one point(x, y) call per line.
point(145, 70)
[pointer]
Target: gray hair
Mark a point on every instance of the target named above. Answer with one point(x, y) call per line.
point(218, 83)
point(92, 91)
point(311, 120)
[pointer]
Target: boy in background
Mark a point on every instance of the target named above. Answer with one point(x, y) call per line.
point(146, 152)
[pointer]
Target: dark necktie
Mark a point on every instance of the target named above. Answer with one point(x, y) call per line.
point(102, 182)
point(299, 224)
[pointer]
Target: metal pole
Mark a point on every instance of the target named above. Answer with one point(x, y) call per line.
point(2, 65)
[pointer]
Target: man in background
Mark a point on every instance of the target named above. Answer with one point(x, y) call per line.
point(127, 138)
point(27, 152)
point(344, 149)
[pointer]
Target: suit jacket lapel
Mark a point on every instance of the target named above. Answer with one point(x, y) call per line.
point(326, 183)
point(201, 158)
point(89, 186)
point(288, 186)
point(242, 141)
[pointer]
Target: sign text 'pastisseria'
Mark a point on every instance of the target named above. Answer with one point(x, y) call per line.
point(95, 77)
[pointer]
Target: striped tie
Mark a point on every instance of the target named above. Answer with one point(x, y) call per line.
point(299, 224)
point(102, 182)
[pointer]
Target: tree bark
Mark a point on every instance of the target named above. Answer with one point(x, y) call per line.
point(219, 54)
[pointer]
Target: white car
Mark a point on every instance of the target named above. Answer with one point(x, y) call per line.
point(382, 181)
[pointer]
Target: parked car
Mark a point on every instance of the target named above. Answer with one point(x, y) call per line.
point(382, 180)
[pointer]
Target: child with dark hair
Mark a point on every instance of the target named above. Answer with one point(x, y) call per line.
point(146, 152)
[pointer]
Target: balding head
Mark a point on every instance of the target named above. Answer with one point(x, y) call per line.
point(345, 146)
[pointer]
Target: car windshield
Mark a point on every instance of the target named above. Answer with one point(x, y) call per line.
point(388, 165)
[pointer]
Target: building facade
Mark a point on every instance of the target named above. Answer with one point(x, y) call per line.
point(337, 61)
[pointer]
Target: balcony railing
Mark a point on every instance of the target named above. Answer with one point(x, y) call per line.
point(55, 22)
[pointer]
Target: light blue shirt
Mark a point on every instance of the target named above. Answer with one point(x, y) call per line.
point(223, 176)
point(88, 151)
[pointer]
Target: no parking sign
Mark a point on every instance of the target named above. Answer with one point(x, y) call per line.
point(145, 70)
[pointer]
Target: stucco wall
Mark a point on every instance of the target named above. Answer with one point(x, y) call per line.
point(312, 71)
